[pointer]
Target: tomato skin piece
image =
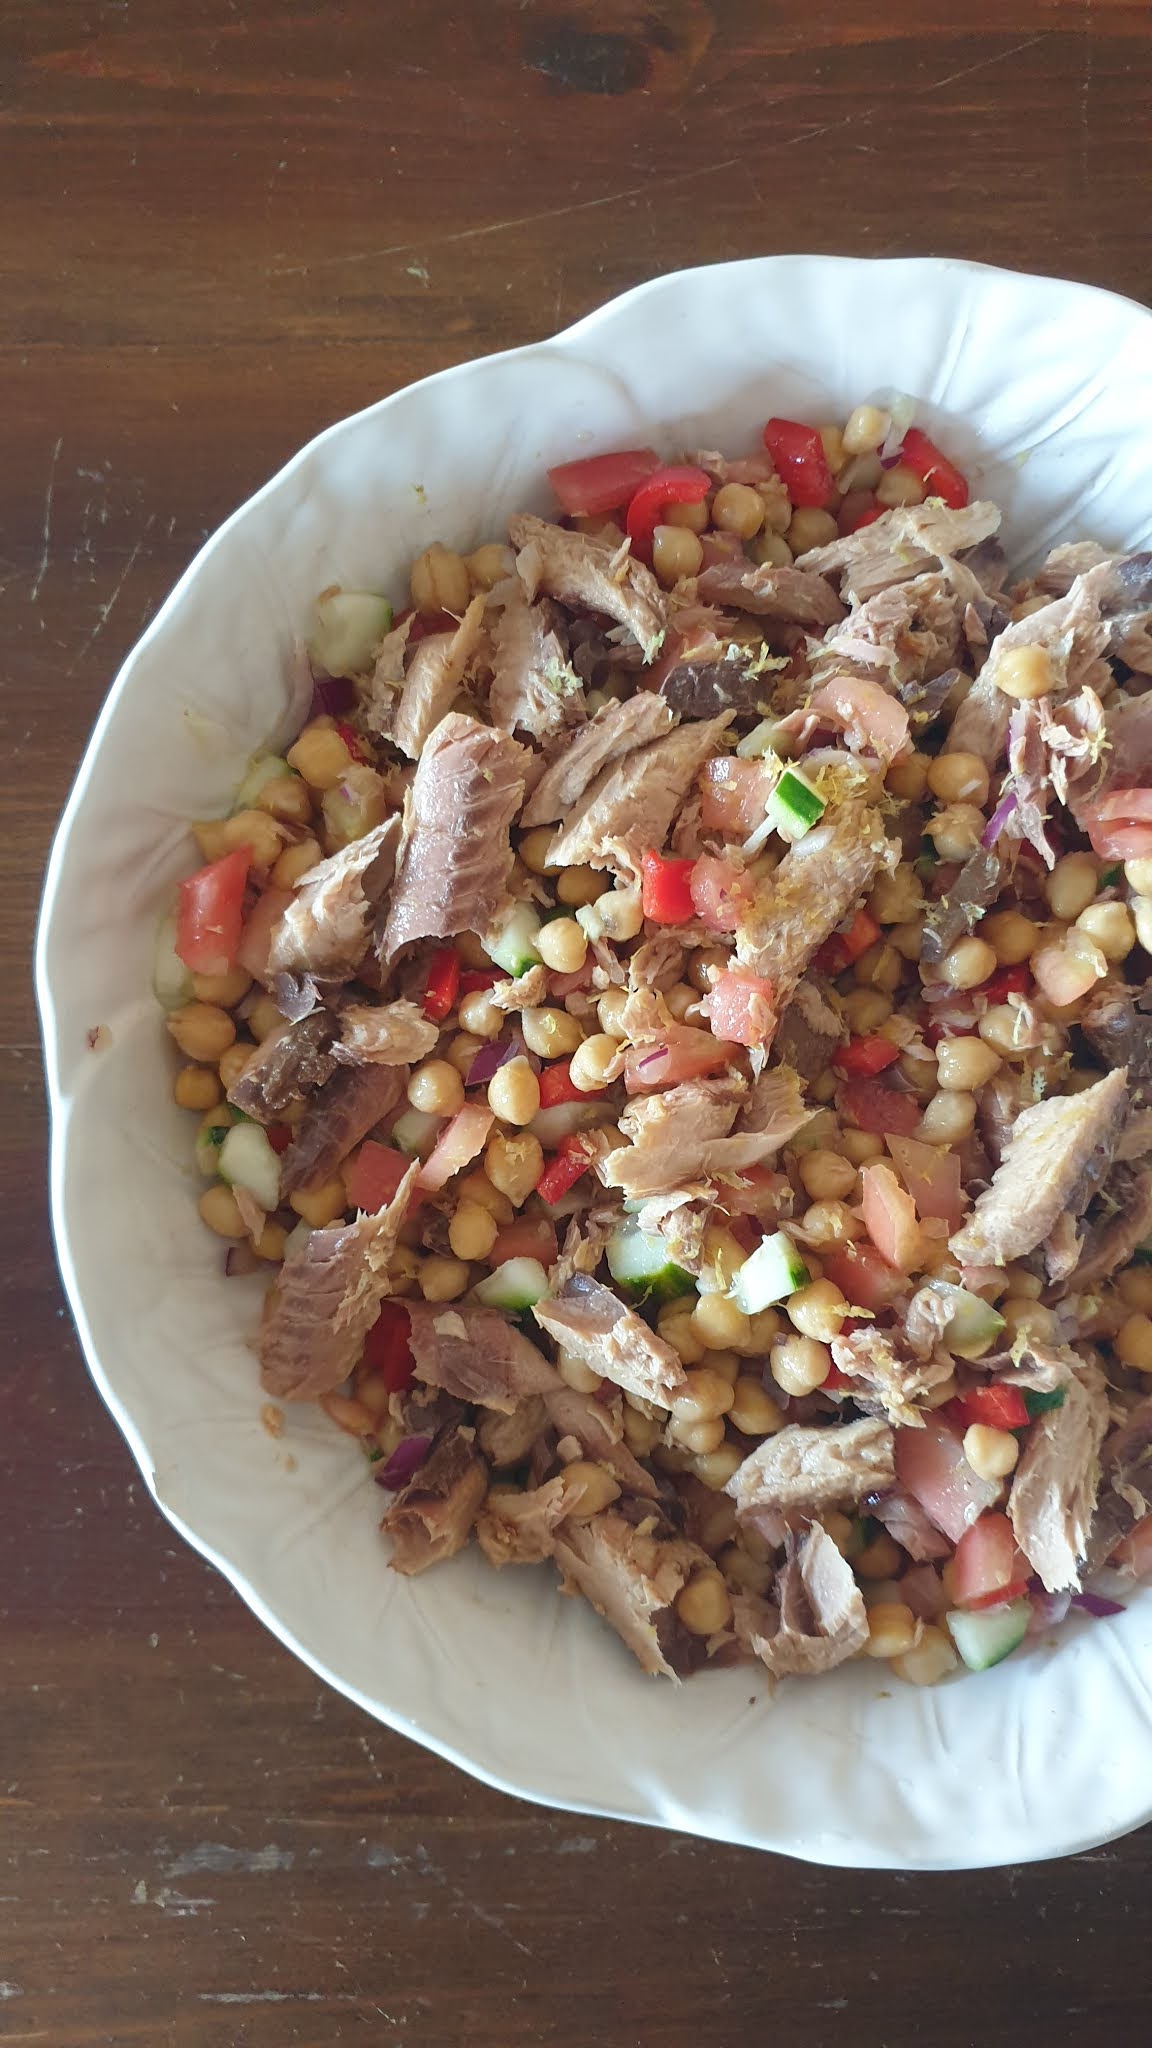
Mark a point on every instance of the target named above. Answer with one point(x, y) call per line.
point(210, 913)
point(987, 1567)
point(443, 983)
point(679, 485)
point(873, 1107)
point(942, 478)
point(862, 1058)
point(665, 891)
point(601, 482)
point(798, 453)
point(387, 1350)
point(374, 1175)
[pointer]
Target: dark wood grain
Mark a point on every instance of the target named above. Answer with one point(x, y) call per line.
point(224, 224)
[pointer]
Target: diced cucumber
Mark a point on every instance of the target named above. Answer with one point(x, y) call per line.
point(171, 980)
point(1042, 1404)
point(247, 1160)
point(794, 805)
point(349, 625)
point(214, 1128)
point(774, 1271)
point(262, 768)
point(416, 1132)
point(512, 944)
point(1142, 1256)
point(639, 1263)
point(1110, 876)
point(563, 1120)
point(516, 1285)
point(973, 1325)
point(990, 1634)
point(297, 1238)
point(760, 741)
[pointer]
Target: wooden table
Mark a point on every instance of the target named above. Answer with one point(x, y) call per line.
point(225, 224)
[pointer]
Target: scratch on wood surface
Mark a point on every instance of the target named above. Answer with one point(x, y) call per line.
point(220, 1858)
point(47, 531)
point(104, 611)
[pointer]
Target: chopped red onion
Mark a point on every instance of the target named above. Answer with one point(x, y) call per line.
point(661, 1053)
point(488, 1060)
point(1048, 1609)
point(1095, 1603)
point(999, 819)
point(901, 412)
point(332, 696)
point(404, 1462)
point(240, 1259)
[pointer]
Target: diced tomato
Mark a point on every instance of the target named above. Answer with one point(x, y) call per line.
point(679, 485)
point(733, 795)
point(987, 1566)
point(210, 913)
point(864, 1277)
point(755, 1191)
point(374, 1175)
point(942, 477)
point(857, 509)
point(561, 1173)
point(685, 1055)
point(863, 1057)
point(443, 983)
point(530, 1237)
point(843, 948)
point(665, 891)
point(890, 1216)
point(739, 1007)
point(458, 1143)
point(1007, 981)
point(1119, 825)
point(721, 892)
point(997, 1407)
point(1134, 1553)
point(601, 482)
point(930, 1465)
point(873, 1107)
point(557, 1085)
point(262, 919)
point(472, 979)
point(387, 1349)
point(932, 1178)
point(279, 1136)
point(798, 453)
point(425, 624)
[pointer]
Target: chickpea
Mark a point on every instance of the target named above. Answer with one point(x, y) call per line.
point(1109, 926)
point(900, 486)
point(480, 1016)
point(892, 1629)
point(514, 1164)
point(738, 509)
point(196, 1088)
point(908, 777)
point(1072, 886)
point(321, 1206)
point(948, 1118)
point(225, 990)
point(865, 429)
point(202, 1031)
point(879, 967)
point(1141, 908)
point(264, 1018)
point(562, 945)
point(827, 1175)
point(897, 897)
point(461, 1051)
point(747, 1574)
point(704, 1396)
point(1138, 875)
point(641, 1432)
point(879, 1559)
point(959, 778)
point(472, 1231)
point(809, 527)
point(1012, 937)
point(770, 550)
point(320, 756)
point(680, 998)
point(514, 1092)
point(533, 850)
point(1024, 673)
point(818, 1310)
point(439, 581)
point(929, 1660)
point(488, 565)
point(777, 504)
point(271, 1242)
point(831, 1224)
point(676, 552)
point(219, 1210)
point(824, 1088)
point(233, 1062)
point(965, 1063)
point(1026, 1317)
point(753, 1411)
point(701, 1438)
point(285, 797)
point(861, 1146)
point(997, 1027)
point(992, 1453)
point(719, 1324)
point(704, 1606)
point(704, 965)
point(591, 1061)
point(955, 832)
point(799, 1364)
point(617, 914)
point(867, 1010)
point(442, 1279)
point(970, 962)
point(576, 886)
point(588, 1489)
point(1134, 1286)
point(295, 862)
point(908, 940)
point(693, 515)
point(436, 1088)
point(1133, 1343)
point(680, 1332)
point(551, 1033)
point(355, 807)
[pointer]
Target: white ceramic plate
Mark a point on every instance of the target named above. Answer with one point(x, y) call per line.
point(1041, 390)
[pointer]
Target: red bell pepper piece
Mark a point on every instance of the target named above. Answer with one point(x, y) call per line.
point(352, 740)
point(997, 1407)
point(843, 948)
point(443, 983)
point(798, 453)
point(680, 485)
point(210, 913)
point(1007, 981)
point(387, 1349)
point(279, 1136)
point(863, 1057)
point(857, 509)
point(473, 979)
point(570, 1159)
point(942, 477)
point(665, 889)
point(601, 482)
point(557, 1085)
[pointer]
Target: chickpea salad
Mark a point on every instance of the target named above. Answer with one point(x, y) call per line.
point(674, 1028)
